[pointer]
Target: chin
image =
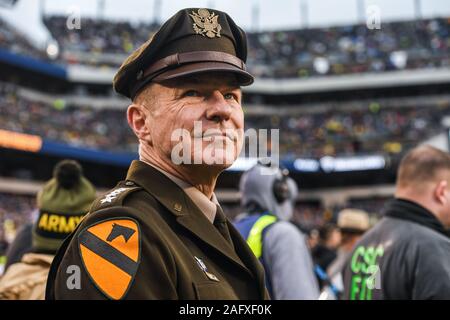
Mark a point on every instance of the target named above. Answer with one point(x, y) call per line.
point(220, 157)
point(219, 165)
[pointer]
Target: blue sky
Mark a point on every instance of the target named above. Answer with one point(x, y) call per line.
point(273, 14)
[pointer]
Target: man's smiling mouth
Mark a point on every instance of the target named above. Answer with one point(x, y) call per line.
point(213, 135)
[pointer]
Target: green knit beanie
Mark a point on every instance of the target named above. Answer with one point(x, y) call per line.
point(62, 203)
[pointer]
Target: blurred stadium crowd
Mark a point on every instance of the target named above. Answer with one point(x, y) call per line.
point(368, 128)
point(15, 42)
point(295, 53)
point(302, 53)
point(77, 126)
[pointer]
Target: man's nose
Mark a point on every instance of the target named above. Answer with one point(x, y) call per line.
point(219, 108)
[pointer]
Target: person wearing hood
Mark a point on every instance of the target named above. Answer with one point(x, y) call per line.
point(268, 196)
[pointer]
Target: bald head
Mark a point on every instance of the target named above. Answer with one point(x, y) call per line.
point(424, 178)
point(424, 164)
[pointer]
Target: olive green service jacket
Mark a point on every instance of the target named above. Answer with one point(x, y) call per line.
point(146, 239)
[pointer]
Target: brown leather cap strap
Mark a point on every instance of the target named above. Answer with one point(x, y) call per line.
point(195, 56)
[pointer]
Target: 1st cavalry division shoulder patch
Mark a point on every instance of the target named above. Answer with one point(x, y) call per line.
point(110, 251)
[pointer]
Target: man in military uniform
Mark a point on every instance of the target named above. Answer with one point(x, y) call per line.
point(161, 234)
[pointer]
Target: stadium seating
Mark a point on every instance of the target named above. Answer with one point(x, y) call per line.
point(15, 42)
point(294, 53)
point(369, 129)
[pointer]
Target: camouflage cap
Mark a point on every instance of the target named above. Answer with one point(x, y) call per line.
point(192, 41)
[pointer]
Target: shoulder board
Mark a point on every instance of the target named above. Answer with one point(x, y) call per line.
point(115, 196)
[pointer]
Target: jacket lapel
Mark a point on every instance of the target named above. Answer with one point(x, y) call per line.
point(174, 199)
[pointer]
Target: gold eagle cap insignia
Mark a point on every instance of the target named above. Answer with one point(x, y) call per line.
point(206, 23)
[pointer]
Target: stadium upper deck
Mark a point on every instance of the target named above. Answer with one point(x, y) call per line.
point(286, 54)
point(302, 53)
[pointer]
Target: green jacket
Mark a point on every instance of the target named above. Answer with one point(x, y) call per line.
point(147, 240)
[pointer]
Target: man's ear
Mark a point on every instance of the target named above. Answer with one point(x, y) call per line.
point(440, 191)
point(137, 117)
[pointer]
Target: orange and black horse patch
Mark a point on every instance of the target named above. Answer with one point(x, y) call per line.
point(110, 251)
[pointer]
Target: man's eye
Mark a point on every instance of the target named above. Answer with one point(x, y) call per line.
point(229, 96)
point(191, 93)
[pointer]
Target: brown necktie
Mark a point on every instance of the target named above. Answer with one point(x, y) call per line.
point(220, 222)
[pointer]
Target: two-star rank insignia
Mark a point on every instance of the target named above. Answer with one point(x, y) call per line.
point(110, 251)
